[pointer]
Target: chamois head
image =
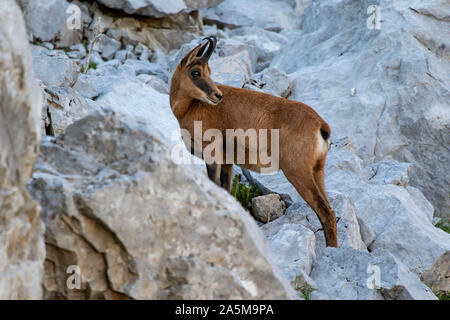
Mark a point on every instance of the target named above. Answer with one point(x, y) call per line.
point(192, 76)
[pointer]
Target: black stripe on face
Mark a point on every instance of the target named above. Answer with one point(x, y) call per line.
point(203, 85)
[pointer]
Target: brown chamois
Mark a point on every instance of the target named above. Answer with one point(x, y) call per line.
point(304, 137)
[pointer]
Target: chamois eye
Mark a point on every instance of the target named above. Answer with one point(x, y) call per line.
point(195, 74)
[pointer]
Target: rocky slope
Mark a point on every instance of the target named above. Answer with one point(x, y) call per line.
point(138, 223)
point(21, 230)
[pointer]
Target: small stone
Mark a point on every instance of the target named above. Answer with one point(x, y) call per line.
point(437, 277)
point(268, 207)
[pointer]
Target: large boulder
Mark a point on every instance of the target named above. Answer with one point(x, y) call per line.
point(22, 248)
point(348, 274)
point(387, 88)
point(382, 210)
point(437, 277)
point(53, 20)
point(137, 225)
point(264, 14)
point(394, 217)
point(158, 8)
point(54, 67)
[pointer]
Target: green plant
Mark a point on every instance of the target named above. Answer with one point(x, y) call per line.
point(244, 194)
point(443, 295)
point(306, 292)
point(92, 65)
point(444, 226)
point(304, 289)
point(94, 40)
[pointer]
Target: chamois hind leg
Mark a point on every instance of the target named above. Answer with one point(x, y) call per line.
point(319, 177)
point(226, 174)
point(307, 187)
point(214, 171)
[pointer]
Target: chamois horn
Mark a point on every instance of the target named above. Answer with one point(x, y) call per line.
point(212, 40)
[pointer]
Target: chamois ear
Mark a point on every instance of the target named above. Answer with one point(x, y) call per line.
point(193, 55)
point(200, 52)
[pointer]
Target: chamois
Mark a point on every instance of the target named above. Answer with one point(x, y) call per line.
point(304, 137)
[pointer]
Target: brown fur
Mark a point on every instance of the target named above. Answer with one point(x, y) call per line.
point(299, 126)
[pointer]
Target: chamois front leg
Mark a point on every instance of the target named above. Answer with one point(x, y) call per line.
point(226, 174)
point(214, 171)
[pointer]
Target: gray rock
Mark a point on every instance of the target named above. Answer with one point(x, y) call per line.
point(185, 238)
point(392, 217)
point(22, 250)
point(146, 67)
point(48, 45)
point(47, 20)
point(388, 172)
point(64, 106)
point(266, 14)
point(343, 158)
point(231, 70)
point(155, 82)
point(78, 51)
point(157, 8)
point(107, 46)
point(273, 81)
point(85, 87)
point(54, 68)
point(261, 48)
point(143, 103)
point(348, 274)
point(300, 213)
point(437, 277)
point(268, 207)
point(395, 218)
point(400, 74)
point(143, 52)
point(96, 58)
point(123, 55)
point(293, 247)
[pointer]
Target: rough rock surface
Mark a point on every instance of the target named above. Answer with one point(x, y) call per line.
point(400, 76)
point(437, 277)
point(158, 8)
point(348, 274)
point(392, 217)
point(54, 68)
point(270, 15)
point(48, 20)
point(268, 208)
point(383, 91)
point(293, 247)
point(387, 213)
point(22, 249)
point(183, 237)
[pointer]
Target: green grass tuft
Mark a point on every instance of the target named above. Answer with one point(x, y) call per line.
point(444, 226)
point(243, 193)
point(305, 291)
point(443, 295)
point(92, 65)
